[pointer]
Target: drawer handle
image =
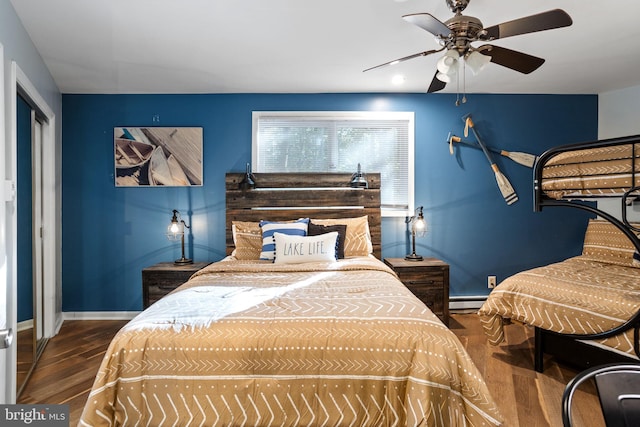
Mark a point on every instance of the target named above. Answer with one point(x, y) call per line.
point(413, 282)
point(166, 287)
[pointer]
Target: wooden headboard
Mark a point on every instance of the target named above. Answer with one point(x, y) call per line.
point(287, 196)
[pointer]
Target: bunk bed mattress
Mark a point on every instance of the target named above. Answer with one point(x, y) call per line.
point(575, 296)
point(592, 172)
point(257, 343)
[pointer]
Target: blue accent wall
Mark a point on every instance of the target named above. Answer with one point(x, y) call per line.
point(110, 234)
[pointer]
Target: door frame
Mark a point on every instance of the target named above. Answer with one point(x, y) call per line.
point(20, 83)
point(7, 361)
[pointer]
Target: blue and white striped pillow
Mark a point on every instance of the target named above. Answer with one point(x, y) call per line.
point(297, 228)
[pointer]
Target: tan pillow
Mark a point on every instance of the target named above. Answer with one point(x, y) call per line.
point(247, 238)
point(605, 243)
point(357, 241)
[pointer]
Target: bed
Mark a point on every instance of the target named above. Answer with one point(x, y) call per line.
point(586, 309)
point(309, 342)
point(607, 168)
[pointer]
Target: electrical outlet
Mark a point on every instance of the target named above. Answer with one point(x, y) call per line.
point(491, 282)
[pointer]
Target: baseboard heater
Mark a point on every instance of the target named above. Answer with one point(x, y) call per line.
point(466, 302)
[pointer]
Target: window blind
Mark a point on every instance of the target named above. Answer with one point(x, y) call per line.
point(338, 142)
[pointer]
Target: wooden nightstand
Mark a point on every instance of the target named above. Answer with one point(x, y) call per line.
point(160, 279)
point(428, 280)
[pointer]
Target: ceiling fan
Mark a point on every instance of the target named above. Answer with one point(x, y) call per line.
point(457, 34)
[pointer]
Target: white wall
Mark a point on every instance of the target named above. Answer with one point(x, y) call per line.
point(19, 48)
point(618, 113)
point(618, 116)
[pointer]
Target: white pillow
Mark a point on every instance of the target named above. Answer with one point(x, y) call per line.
point(298, 249)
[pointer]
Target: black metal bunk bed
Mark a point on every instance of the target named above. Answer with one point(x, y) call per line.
point(613, 171)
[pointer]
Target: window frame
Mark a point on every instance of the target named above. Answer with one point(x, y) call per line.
point(409, 116)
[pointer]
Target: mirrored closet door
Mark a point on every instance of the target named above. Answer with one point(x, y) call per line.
point(30, 341)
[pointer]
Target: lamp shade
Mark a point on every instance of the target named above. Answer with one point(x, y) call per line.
point(420, 226)
point(418, 229)
point(175, 230)
point(477, 61)
point(443, 77)
point(448, 64)
point(248, 181)
point(358, 180)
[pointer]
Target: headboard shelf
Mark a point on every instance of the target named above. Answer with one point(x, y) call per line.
point(300, 180)
point(287, 196)
point(312, 197)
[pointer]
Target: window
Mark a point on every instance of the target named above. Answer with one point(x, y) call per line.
point(338, 142)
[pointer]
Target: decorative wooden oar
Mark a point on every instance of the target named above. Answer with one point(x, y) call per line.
point(504, 185)
point(525, 159)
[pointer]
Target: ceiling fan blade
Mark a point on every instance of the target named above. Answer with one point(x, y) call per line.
point(428, 22)
point(406, 58)
point(515, 60)
point(556, 18)
point(436, 84)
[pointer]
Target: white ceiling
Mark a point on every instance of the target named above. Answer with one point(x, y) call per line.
point(312, 46)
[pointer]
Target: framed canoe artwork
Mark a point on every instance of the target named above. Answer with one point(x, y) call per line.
point(157, 156)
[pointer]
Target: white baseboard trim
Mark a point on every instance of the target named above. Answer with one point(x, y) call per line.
point(59, 320)
point(99, 315)
point(455, 303)
point(466, 302)
point(24, 325)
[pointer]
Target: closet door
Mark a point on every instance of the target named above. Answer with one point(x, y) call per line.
point(29, 340)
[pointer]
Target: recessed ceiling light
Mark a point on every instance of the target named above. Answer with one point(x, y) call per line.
point(398, 79)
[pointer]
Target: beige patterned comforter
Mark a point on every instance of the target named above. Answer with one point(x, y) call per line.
point(576, 296)
point(592, 172)
point(249, 343)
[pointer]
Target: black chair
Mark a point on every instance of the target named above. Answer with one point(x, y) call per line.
point(618, 387)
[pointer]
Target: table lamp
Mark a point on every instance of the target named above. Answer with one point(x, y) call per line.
point(175, 231)
point(418, 228)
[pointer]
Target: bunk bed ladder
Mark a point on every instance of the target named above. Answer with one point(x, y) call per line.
point(627, 199)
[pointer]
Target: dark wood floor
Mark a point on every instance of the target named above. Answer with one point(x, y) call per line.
point(25, 354)
point(525, 397)
point(66, 370)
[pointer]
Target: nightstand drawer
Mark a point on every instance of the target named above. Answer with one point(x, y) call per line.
point(162, 278)
point(431, 297)
point(166, 279)
point(155, 292)
point(428, 280)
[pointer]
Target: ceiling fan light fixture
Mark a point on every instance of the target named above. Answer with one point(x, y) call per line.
point(443, 77)
point(457, 35)
point(477, 61)
point(448, 64)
